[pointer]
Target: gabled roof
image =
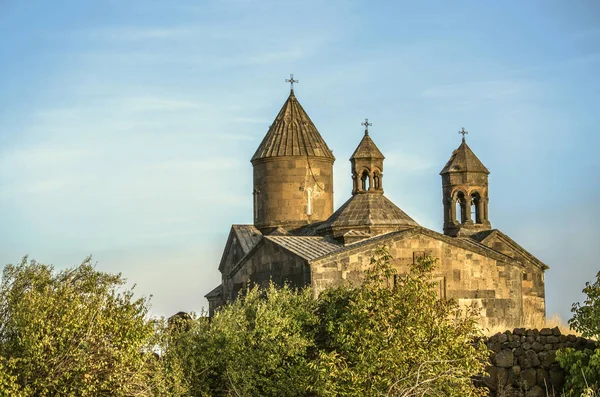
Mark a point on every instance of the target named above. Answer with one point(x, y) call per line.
point(467, 244)
point(247, 236)
point(484, 238)
point(367, 149)
point(464, 160)
point(292, 134)
point(368, 210)
point(215, 293)
point(307, 247)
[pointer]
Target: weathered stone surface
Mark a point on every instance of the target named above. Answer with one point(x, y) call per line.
point(557, 378)
point(545, 332)
point(505, 358)
point(556, 331)
point(542, 377)
point(552, 339)
point(537, 347)
point(528, 359)
point(539, 369)
point(528, 378)
point(535, 391)
point(547, 358)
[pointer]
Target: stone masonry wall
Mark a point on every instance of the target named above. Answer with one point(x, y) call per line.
point(283, 187)
point(471, 278)
point(524, 362)
point(268, 263)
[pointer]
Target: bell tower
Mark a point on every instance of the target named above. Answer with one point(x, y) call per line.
point(367, 165)
point(465, 192)
point(293, 171)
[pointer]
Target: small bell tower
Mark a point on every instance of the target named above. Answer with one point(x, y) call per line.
point(465, 192)
point(367, 165)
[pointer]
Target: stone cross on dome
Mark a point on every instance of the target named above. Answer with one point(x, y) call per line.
point(366, 124)
point(291, 81)
point(463, 132)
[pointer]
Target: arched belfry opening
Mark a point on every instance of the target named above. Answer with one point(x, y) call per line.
point(365, 184)
point(465, 191)
point(477, 208)
point(462, 210)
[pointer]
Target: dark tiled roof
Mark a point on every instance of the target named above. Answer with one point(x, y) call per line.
point(307, 247)
point(464, 160)
point(248, 236)
point(367, 150)
point(292, 134)
point(215, 293)
point(480, 236)
point(368, 210)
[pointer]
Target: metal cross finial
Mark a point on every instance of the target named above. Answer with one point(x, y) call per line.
point(291, 81)
point(366, 124)
point(463, 132)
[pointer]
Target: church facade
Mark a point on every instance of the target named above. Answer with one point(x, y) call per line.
point(298, 238)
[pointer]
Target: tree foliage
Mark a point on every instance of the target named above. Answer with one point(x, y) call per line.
point(583, 367)
point(75, 332)
point(388, 336)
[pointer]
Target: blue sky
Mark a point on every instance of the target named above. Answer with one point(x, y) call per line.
point(126, 127)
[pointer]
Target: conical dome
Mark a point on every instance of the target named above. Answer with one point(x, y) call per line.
point(464, 160)
point(367, 150)
point(292, 134)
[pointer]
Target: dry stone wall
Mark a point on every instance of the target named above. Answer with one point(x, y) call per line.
point(524, 362)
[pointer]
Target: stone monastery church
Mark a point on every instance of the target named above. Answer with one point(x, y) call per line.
point(298, 238)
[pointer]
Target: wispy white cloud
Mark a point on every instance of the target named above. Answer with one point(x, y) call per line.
point(137, 33)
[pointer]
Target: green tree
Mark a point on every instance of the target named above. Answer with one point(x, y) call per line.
point(583, 367)
point(393, 336)
point(388, 336)
point(76, 332)
point(259, 345)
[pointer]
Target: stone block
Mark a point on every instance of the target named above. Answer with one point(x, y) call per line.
point(505, 358)
point(547, 358)
point(552, 339)
point(545, 332)
point(542, 377)
point(535, 391)
point(557, 378)
point(537, 347)
point(556, 331)
point(528, 378)
point(528, 360)
point(542, 339)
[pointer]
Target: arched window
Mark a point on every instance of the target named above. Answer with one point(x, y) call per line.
point(476, 207)
point(376, 181)
point(461, 207)
point(309, 204)
point(364, 180)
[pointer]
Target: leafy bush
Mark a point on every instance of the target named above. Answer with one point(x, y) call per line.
point(583, 367)
point(389, 336)
point(74, 332)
